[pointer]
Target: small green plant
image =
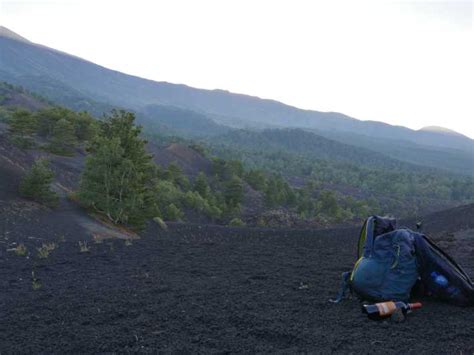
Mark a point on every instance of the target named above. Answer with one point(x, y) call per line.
point(35, 282)
point(128, 242)
point(261, 222)
point(50, 246)
point(161, 223)
point(46, 249)
point(21, 250)
point(236, 222)
point(84, 247)
point(97, 238)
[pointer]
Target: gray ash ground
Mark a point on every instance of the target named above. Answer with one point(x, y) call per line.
point(197, 288)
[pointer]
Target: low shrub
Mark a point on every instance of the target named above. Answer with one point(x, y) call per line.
point(173, 213)
point(237, 222)
point(161, 223)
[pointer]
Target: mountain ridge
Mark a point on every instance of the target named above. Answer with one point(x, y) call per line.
point(81, 84)
point(14, 36)
point(5, 32)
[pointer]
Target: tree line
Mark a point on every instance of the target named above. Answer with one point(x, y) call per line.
point(121, 182)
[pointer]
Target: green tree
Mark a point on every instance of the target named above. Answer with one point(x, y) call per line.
point(85, 126)
point(22, 123)
point(63, 138)
point(225, 169)
point(116, 181)
point(201, 185)
point(328, 203)
point(36, 185)
point(256, 179)
point(234, 192)
point(166, 193)
point(47, 119)
point(175, 174)
point(22, 127)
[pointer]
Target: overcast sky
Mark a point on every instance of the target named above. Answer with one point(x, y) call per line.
point(405, 63)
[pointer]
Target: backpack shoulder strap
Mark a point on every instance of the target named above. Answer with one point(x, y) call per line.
point(366, 238)
point(345, 286)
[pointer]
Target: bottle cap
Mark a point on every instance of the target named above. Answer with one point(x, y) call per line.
point(416, 305)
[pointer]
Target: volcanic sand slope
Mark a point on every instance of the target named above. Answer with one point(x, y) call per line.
point(192, 288)
point(453, 230)
point(197, 288)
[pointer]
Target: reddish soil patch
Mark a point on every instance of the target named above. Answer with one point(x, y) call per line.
point(190, 161)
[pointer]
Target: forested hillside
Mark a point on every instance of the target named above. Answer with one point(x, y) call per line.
point(301, 157)
point(306, 144)
point(243, 174)
point(312, 166)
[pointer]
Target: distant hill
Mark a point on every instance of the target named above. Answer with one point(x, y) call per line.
point(441, 130)
point(82, 85)
point(448, 159)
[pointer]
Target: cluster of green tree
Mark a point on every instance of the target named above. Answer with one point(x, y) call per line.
point(61, 128)
point(121, 182)
point(308, 201)
point(175, 193)
point(306, 144)
point(219, 197)
point(7, 91)
point(329, 206)
point(404, 191)
point(311, 201)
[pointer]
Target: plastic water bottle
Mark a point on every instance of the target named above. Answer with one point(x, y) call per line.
point(440, 280)
point(442, 283)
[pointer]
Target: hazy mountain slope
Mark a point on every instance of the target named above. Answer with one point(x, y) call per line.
point(21, 59)
point(178, 122)
point(306, 144)
point(454, 160)
point(57, 91)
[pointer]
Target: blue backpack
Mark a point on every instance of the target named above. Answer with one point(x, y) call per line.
point(391, 261)
point(386, 268)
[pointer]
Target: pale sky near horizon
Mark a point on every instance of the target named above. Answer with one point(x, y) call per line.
point(407, 63)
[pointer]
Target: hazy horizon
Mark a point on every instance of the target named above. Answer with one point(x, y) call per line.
point(403, 63)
